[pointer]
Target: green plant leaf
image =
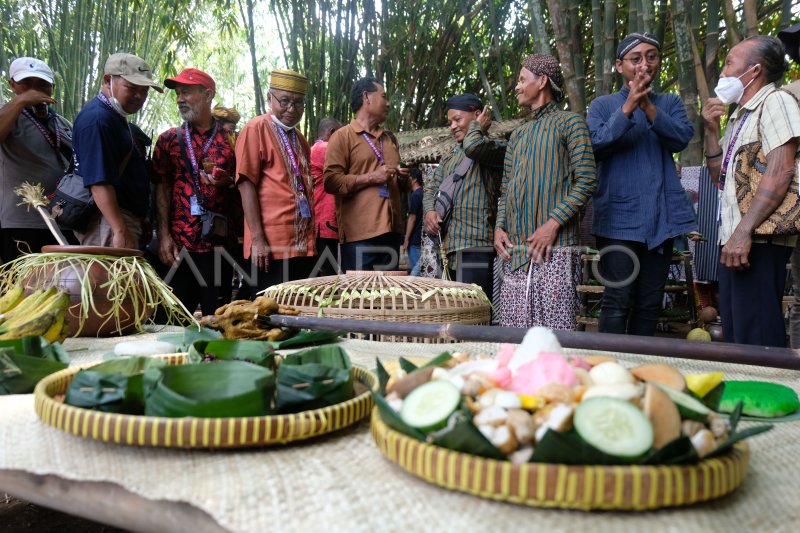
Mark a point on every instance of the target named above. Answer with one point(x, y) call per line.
point(25, 361)
point(306, 337)
point(314, 378)
point(252, 351)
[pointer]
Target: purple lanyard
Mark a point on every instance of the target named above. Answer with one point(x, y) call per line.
point(378, 154)
point(54, 144)
point(292, 158)
point(724, 170)
point(190, 147)
point(103, 98)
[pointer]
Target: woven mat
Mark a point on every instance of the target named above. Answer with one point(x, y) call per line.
point(341, 482)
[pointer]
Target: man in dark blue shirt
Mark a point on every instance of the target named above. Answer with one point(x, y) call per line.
point(110, 155)
point(639, 204)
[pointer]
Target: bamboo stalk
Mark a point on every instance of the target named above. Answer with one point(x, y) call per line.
point(720, 352)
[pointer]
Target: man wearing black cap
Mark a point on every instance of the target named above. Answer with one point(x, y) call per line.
point(194, 164)
point(35, 143)
point(109, 154)
point(477, 161)
point(639, 204)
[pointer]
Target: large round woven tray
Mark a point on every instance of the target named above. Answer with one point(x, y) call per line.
point(375, 296)
point(619, 488)
point(189, 432)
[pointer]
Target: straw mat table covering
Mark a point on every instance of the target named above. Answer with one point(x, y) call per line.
point(341, 482)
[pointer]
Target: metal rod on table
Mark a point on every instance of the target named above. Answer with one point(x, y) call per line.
point(720, 352)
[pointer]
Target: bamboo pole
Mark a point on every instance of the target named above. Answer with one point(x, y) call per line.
point(720, 352)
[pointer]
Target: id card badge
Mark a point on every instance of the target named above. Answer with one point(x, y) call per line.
point(194, 206)
point(305, 209)
point(383, 191)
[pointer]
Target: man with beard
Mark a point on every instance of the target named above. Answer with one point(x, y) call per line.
point(639, 205)
point(272, 173)
point(35, 143)
point(194, 164)
point(362, 168)
point(111, 156)
point(478, 160)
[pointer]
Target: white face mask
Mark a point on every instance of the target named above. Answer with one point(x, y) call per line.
point(115, 103)
point(281, 124)
point(730, 88)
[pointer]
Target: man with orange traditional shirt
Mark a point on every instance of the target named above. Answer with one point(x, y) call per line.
point(272, 173)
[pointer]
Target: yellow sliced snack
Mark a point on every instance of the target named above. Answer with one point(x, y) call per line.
point(702, 384)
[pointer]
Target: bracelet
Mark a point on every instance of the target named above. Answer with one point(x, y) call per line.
point(715, 155)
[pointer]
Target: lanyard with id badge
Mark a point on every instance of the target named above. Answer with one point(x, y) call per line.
point(302, 200)
point(383, 189)
point(725, 162)
point(215, 225)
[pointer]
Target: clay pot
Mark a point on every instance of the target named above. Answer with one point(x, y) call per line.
point(96, 324)
point(715, 330)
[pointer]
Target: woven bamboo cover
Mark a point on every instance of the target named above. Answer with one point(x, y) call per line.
point(190, 432)
point(375, 296)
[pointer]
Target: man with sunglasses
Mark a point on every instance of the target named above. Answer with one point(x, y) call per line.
point(639, 205)
point(274, 179)
point(35, 144)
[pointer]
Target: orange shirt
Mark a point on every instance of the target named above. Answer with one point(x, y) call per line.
point(362, 214)
point(260, 159)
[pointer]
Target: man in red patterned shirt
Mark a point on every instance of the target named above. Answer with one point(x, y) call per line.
point(195, 164)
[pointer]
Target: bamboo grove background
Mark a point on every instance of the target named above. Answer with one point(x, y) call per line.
point(424, 50)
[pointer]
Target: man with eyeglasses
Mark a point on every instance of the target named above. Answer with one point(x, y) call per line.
point(35, 143)
point(639, 205)
point(362, 168)
point(274, 179)
point(110, 154)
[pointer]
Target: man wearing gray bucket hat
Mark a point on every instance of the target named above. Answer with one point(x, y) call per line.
point(35, 145)
point(110, 154)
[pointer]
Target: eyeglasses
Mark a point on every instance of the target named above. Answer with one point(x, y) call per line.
point(286, 103)
point(651, 59)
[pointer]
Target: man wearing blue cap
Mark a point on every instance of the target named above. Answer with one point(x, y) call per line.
point(35, 145)
point(477, 160)
point(639, 205)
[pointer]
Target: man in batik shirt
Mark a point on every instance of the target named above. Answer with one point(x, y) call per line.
point(194, 164)
point(549, 176)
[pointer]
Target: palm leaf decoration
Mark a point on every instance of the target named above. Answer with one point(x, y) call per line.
point(219, 389)
point(23, 362)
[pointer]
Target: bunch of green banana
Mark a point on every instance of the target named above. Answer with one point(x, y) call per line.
point(43, 312)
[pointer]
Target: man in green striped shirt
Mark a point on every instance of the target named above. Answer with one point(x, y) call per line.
point(549, 175)
point(468, 239)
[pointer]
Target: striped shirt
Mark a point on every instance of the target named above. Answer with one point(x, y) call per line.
point(549, 172)
point(780, 123)
point(472, 222)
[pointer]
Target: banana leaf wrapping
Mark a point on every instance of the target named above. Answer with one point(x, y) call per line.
point(220, 389)
point(115, 386)
point(306, 337)
point(184, 339)
point(23, 362)
point(257, 352)
point(315, 378)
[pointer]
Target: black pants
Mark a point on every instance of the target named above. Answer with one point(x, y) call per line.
point(283, 270)
point(750, 300)
point(378, 253)
point(473, 265)
point(198, 281)
point(632, 300)
point(18, 241)
point(327, 257)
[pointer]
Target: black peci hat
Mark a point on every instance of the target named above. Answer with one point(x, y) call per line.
point(791, 41)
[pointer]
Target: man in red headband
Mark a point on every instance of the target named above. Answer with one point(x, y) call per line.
point(194, 163)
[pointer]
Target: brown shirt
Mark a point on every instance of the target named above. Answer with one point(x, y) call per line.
point(362, 214)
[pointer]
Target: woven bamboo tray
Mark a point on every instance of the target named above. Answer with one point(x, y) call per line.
point(203, 433)
point(618, 488)
point(376, 296)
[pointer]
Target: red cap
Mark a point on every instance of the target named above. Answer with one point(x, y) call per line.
point(192, 76)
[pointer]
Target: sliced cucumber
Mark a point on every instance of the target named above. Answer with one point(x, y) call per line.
point(614, 427)
point(428, 407)
point(688, 407)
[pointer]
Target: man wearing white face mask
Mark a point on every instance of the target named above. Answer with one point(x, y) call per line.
point(274, 179)
point(109, 154)
point(753, 278)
